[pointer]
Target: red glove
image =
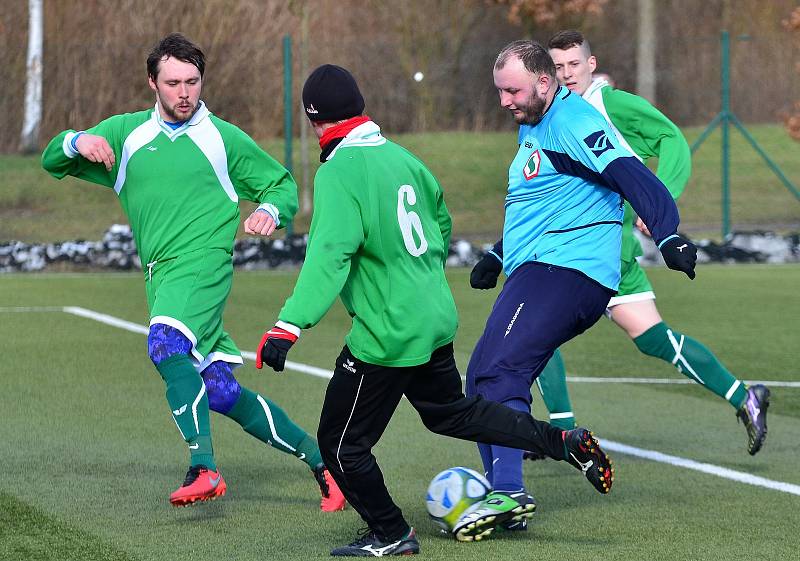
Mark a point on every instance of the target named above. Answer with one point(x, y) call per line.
point(273, 348)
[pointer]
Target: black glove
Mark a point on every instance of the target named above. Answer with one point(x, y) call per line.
point(273, 348)
point(485, 272)
point(679, 254)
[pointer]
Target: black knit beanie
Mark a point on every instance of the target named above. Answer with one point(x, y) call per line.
point(331, 94)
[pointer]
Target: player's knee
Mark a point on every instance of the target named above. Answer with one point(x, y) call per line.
point(164, 341)
point(353, 461)
point(327, 442)
point(442, 418)
point(221, 386)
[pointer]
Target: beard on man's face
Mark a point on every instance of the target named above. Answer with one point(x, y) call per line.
point(175, 117)
point(181, 111)
point(533, 111)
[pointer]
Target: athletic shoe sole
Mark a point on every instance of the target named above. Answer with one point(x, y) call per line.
point(587, 456)
point(483, 527)
point(194, 499)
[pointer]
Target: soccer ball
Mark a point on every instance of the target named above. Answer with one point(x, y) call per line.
point(452, 493)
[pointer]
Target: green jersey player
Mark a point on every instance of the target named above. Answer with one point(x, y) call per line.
point(379, 240)
point(645, 132)
point(179, 172)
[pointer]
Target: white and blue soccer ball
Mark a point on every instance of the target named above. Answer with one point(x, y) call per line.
point(454, 492)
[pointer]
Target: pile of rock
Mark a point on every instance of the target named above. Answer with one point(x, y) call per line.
point(117, 250)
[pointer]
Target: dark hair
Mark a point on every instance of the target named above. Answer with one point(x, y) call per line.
point(177, 46)
point(533, 56)
point(567, 39)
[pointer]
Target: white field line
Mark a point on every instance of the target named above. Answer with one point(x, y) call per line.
point(327, 374)
point(108, 320)
point(711, 469)
point(679, 381)
point(28, 309)
point(611, 445)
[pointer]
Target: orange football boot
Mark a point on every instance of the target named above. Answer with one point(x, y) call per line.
point(201, 484)
point(332, 497)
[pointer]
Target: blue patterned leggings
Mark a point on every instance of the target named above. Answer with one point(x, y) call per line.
point(223, 390)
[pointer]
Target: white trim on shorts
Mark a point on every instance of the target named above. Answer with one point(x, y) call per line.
point(196, 357)
point(628, 298)
point(233, 360)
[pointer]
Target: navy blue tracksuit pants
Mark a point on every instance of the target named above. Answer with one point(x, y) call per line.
point(540, 308)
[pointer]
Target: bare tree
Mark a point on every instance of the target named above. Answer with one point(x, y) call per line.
point(547, 11)
point(29, 141)
point(646, 53)
point(792, 121)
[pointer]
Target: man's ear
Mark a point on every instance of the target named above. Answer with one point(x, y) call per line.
point(592, 63)
point(544, 82)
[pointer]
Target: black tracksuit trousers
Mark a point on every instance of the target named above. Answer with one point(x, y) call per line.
point(361, 399)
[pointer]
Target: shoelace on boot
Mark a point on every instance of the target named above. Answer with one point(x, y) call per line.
point(192, 475)
point(365, 536)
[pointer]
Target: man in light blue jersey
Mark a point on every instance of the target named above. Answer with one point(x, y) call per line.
point(560, 251)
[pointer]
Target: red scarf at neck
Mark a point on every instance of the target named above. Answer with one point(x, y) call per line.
point(341, 130)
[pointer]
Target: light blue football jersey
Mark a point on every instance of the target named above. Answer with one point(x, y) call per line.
point(565, 187)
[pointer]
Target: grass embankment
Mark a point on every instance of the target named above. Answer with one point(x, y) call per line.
point(472, 167)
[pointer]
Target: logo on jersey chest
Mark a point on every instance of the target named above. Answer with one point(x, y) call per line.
point(532, 166)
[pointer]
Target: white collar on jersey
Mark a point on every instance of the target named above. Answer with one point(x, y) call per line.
point(597, 83)
point(201, 113)
point(366, 134)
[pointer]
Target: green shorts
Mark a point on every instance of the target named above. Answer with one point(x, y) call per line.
point(189, 293)
point(633, 286)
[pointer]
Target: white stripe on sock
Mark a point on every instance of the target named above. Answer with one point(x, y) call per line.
point(268, 413)
point(183, 436)
point(564, 415)
point(194, 406)
point(733, 389)
point(678, 347)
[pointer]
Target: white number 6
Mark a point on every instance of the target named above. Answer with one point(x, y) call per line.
point(410, 221)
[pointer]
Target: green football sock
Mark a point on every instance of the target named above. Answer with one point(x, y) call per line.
point(186, 395)
point(552, 383)
point(693, 360)
point(269, 423)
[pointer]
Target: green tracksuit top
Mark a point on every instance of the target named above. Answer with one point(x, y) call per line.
point(646, 132)
point(379, 239)
point(179, 188)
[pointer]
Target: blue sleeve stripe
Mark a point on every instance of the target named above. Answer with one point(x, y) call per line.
point(74, 140)
point(598, 223)
point(665, 240)
point(497, 250)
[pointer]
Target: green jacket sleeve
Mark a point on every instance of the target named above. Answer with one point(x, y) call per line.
point(59, 160)
point(336, 233)
point(256, 175)
point(650, 133)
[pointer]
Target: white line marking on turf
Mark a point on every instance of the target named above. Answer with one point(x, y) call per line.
point(652, 455)
point(13, 309)
point(297, 367)
point(679, 381)
point(711, 469)
point(105, 318)
point(327, 374)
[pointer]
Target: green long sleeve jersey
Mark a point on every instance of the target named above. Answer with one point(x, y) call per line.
point(179, 188)
point(379, 239)
point(646, 132)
